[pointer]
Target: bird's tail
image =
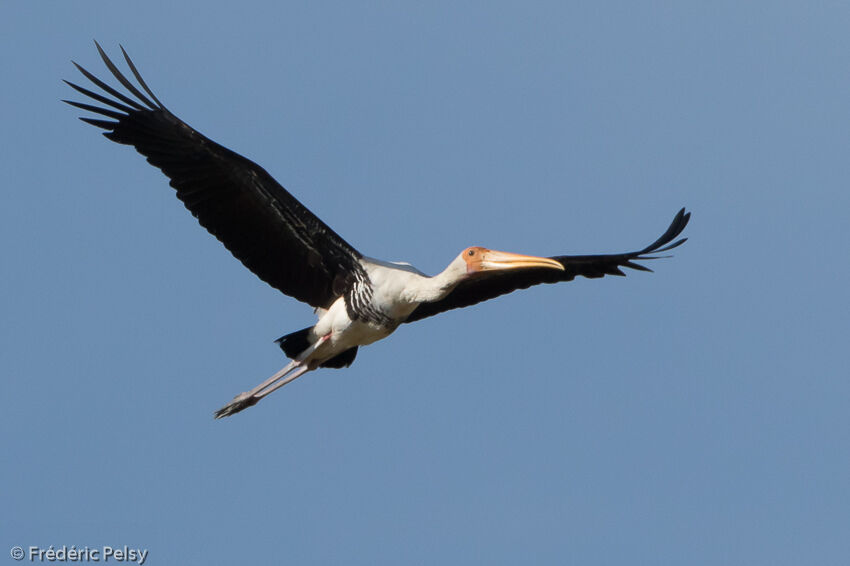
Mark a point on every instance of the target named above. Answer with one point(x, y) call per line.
point(295, 343)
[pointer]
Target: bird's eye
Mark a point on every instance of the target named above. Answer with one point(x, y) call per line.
point(470, 253)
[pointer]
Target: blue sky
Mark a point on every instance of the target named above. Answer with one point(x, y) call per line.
point(695, 415)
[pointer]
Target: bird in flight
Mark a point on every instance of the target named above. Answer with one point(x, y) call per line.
point(357, 299)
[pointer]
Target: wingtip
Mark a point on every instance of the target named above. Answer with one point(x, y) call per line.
point(100, 51)
point(103, 55)
point(680, 221)
point(103, 124)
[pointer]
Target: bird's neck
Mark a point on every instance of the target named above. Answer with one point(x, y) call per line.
point(431, 289)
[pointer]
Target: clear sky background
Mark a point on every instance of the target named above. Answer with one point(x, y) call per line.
point(697, 415)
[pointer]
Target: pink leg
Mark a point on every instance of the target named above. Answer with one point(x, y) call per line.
point(275, 382)
point(295, 375)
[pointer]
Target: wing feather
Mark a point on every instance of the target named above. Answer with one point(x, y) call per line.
point(493, 284)
point(237, 201)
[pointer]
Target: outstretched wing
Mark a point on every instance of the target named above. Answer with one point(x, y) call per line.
point(490, 285)
point(238, 202)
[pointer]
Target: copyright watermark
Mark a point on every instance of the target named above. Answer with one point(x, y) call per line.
point(71, 553)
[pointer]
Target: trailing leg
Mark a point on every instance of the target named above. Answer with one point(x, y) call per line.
point(296, 368)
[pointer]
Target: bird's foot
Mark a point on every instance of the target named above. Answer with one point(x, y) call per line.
point(240, 402)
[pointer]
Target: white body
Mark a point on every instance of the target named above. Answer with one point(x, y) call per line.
point(397, 289)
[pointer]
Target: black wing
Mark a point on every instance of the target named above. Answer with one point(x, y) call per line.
point(264, 226)
point(489, 286)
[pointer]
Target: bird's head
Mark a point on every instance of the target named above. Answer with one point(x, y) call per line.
point(482, 260)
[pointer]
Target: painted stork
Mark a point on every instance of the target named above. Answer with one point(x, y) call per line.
point(357, 299)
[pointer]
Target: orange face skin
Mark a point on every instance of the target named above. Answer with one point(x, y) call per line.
point(473, 257)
